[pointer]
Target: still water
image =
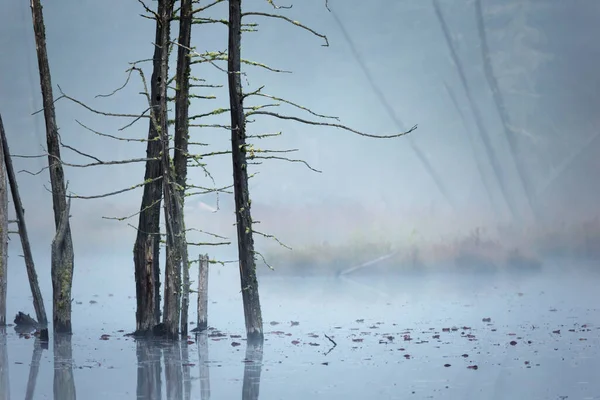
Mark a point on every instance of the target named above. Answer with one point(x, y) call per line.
point(443, 336)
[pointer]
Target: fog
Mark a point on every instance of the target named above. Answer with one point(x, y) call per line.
point(388, 67)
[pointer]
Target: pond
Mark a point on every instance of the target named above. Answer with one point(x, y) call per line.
point(442, 335)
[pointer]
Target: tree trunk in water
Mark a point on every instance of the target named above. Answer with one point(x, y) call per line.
point(180, 158)
point(62, 273)
point(249, 283)
point(3, 237)
point(202, 322)
point(147, 243)
point(172, 202)
point(64, 383)
point(38, 301)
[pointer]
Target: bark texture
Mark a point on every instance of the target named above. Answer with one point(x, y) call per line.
point(172, 203)
point(62, 273)
point(3, 237)
point(147, 243)
point(180, 158)
point(202, 322)
point(247, 263)
point(38, 301)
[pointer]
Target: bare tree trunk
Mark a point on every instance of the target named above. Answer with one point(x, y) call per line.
point(172, 203)
point(4, 375)
point(64, 383)
point(38, 301)
point(62, 274)
point(249, 283)
point(180, 158)
point(3, 236)
point(504, 117)
point(202, 322)
point(147, 244)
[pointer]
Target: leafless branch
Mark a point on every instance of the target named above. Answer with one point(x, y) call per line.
point(344, 127)
point(99, 196)
point(257, 93)
point(291, 21)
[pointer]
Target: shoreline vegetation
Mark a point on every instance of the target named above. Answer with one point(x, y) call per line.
point(479, 251)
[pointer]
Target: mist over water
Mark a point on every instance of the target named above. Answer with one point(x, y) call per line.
point(379, 249)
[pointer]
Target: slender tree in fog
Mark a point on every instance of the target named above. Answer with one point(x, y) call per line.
point(38, 301)
point(485, 136)
point(3, 234)
point(502, 112)
point(147, 243)
point(243, 153)
point(180, 158)
point(62, 259)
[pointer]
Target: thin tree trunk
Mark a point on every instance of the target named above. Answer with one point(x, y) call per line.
point(147, 244)
point(62, 273)
point(3, 237)
point(496, 166)
point(488, 69)
point(38, 301)
point(172, 204)
point(180, 158)
point(202, 322)
point(64, 383)
point(247, 263)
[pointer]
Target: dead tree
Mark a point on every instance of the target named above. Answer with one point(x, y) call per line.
point(485, 137)
point(249, 282)
point(180, 157)
point(509, 134)
point(244, 153)
point(147, 243)
point(3, 234)
point(62, 272)
point(165, 178)
point(38, 301)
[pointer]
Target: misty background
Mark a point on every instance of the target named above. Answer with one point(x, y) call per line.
point(544, 53)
